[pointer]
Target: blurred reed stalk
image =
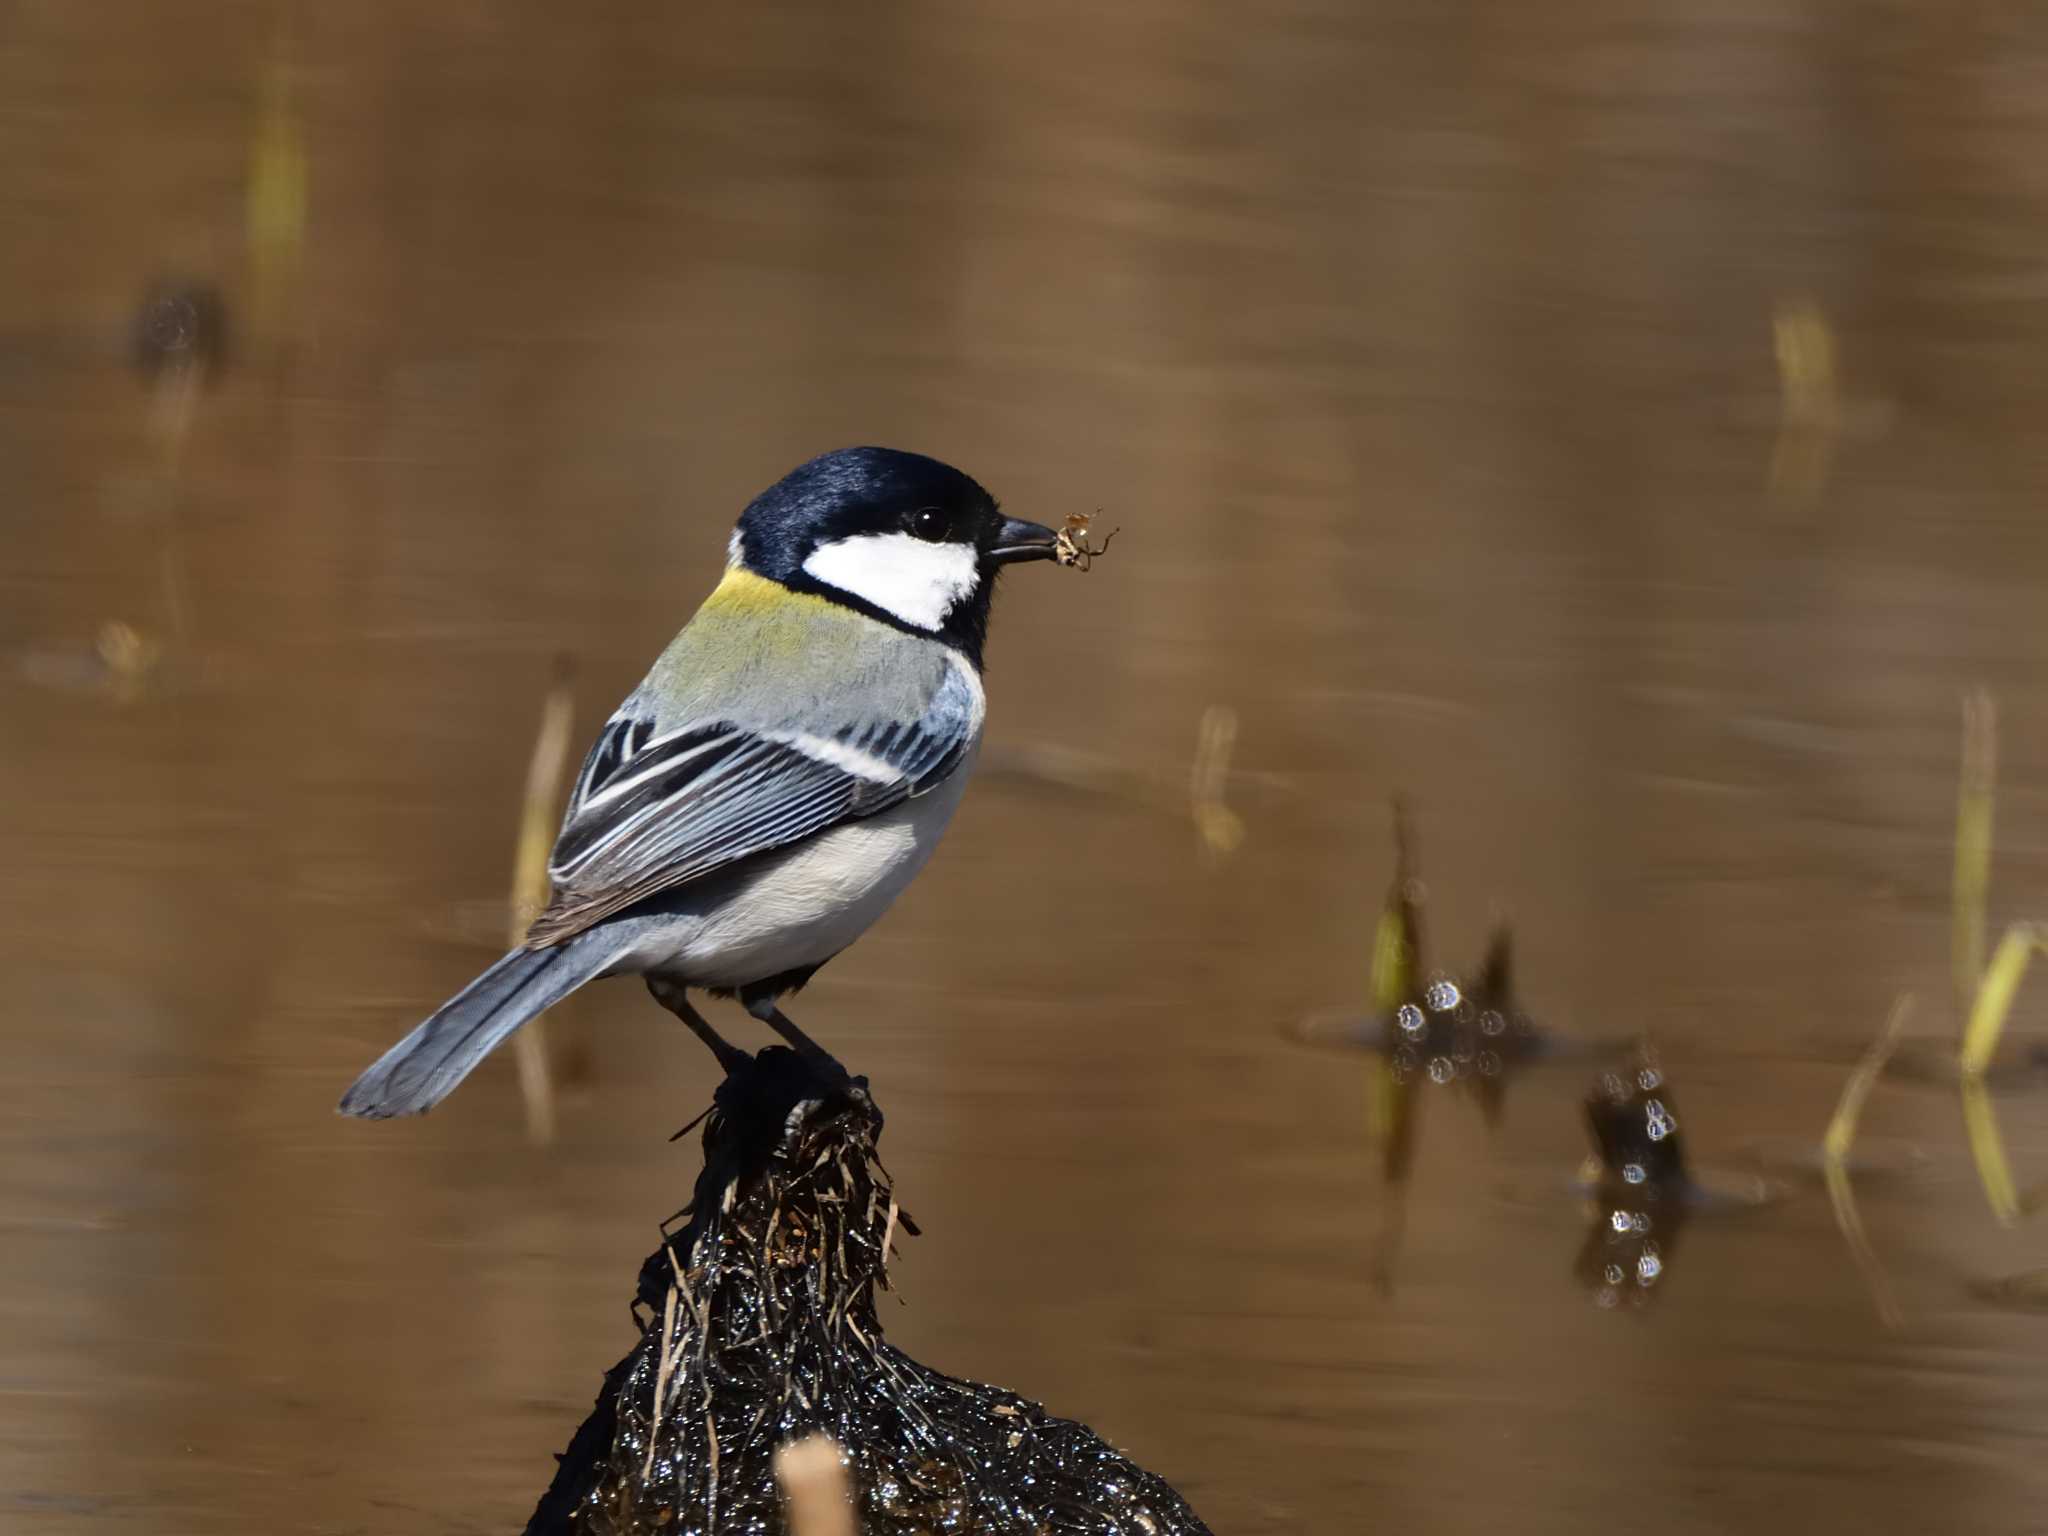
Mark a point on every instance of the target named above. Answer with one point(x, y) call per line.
point(538, 816)
point(1220, 828)
point(1974, 798)
point(1809, 403)
point(1980, 1042)
point(1983, 1001)
point(812, 1475)
point(1984, 994)
point(1841, 1136)
point(1995, 994)
point(274, 209)
point(1987, 1151)
point(179, 344)
point(1395, 977)
point(172, 406)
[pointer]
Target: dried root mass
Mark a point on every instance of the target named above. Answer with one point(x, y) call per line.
point(759, 1328)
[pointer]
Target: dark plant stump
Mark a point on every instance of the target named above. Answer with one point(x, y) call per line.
point(759, 1327)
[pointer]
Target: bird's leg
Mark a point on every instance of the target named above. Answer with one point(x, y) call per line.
point(673, 996)
point(764, 1009)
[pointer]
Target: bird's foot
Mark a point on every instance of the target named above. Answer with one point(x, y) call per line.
point(766, 1011)
point(673, 996)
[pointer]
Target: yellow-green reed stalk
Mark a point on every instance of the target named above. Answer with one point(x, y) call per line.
point(1984, 993)
point(274, 208)
point(1396, 967)
point(538, 815)
point(1220, 828)
point(1841, 1136)
point(1974, 800)
point(1809, 402)
point(1987, 1150)
point(1981, 1034)
point(1985, 1022)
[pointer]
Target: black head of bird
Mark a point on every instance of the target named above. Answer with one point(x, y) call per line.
point(901, 537)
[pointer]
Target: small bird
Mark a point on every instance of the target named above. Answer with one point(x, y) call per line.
point(779, 776)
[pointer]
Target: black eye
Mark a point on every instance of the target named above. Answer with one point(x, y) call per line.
point(929, 523)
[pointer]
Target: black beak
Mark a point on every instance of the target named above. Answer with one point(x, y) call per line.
point(1019, 540)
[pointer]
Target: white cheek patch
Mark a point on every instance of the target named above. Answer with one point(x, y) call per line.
point(918, 582)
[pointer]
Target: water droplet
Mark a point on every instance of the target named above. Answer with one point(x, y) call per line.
point(1442, 996)
point(1441, 1070)
point(1657, 1121)
point(1409, 1017)
point(1633, 1173)
point(1648, 1268)
point(1491, 1023)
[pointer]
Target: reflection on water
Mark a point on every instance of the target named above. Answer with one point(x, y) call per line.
point(1475, 1035)
point(1642, 1189)
point(1636, 1138)
point(1427, 1028)
point(181, 330)
point(1434, 362)
point(1427, 1032)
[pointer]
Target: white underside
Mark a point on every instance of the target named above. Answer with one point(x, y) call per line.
point(797, 909)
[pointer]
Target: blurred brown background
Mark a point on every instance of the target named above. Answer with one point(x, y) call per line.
point(1618, 425)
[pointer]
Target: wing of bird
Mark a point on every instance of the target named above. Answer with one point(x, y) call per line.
point(653, 810)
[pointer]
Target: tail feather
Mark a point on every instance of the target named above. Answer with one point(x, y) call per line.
point(427, 1065)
